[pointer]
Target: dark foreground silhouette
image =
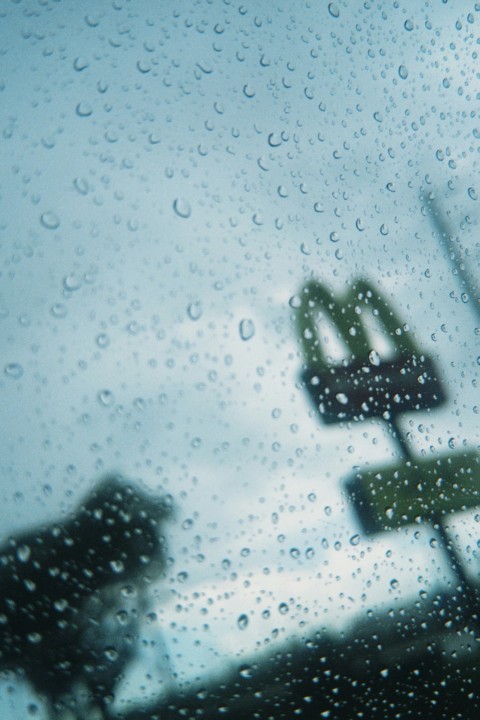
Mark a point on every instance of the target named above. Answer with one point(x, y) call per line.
point(72, 593)
point(409, 662)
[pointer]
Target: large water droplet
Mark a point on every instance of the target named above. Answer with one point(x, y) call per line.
point(83, 110)
point(246, 329)
point(182, 208)
point(72, 282)
point(333, 10)
point(242, 621)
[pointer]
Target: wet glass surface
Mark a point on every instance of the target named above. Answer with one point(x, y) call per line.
point(173, 177)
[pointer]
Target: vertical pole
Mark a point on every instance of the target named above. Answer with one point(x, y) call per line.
point(446, 543)
point(447, 240)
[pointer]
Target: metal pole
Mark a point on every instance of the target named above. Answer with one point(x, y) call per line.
point(449, 241)
point(446, 543)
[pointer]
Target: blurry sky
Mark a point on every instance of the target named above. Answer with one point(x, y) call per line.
point(171, 174)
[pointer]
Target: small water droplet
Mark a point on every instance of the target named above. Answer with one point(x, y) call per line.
point(102, 340)
point(80, 64)
point(72, 282)
point(14, 371)
point(81, 185)
point(246, 329)
point(117, 566)
point(245, 671)
point(408, 25)
point(111, 653)
point(49, 220)
point(23, 553)
point(106, 398)
point(403, 72)
point(472, 194)
point(394, 584)
point(242, 621)
point(342, 398)
point(182, 208)
point(374, 358)
point(354, 540)
point(283, 608)
point(58, 310)
point(195, 310)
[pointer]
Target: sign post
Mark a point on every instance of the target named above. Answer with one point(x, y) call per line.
point(364, 385)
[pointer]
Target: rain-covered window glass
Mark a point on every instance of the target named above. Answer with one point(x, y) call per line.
point(240, 322)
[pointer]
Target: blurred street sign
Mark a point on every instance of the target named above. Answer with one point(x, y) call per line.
point(364, 385)
point(390, 497)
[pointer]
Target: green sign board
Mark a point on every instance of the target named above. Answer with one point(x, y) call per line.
point(392, 496)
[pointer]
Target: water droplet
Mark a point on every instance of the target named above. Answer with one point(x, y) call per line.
point(242, 621)
point(111, 653)
point(102, 340)
point(295, 302)
point(49, 220)
point(403, 72)
point(81, 185)
point(117, 566)
point(283, 608)
point(14, 371)
point(295, 553)
point(333, 10)
point(246, 329)
point(248, 91)
point(359, 224)
point(342, 398)
point(182, 576)
point(245, 671)
point(389, 512)
point(374, 358)
point(327, 510)
point(106, 398)
point(195, 310)
point(182, 208)
point(309, 553)
point(318, 207)
point(472, 194)
point(408, 25)
point(80, 64)
point(312, 497)
point(58, 310)
point(83, 109)
point(23, 553)
point(274, 140)
point(394, 584)
point(72, 282)
point(334, 237)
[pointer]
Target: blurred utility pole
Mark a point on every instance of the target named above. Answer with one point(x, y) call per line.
point(449, 241)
